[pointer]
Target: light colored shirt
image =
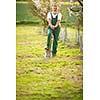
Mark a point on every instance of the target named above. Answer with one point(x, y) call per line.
point(54, 15)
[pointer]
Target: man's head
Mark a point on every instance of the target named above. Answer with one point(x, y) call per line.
point(54, 8)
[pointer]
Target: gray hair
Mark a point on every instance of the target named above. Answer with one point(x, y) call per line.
point(54, 5)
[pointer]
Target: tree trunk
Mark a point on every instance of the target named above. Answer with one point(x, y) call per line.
point(64, 35)
point(44, 30)
point(80, 40)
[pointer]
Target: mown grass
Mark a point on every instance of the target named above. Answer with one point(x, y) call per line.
point(37, 78)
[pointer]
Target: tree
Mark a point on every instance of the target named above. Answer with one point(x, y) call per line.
point(77, 11)
point(40, 8)
point(64, 12)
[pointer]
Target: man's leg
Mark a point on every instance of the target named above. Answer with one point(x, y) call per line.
point(49, 39)
point(48, 48)
point(55, 41)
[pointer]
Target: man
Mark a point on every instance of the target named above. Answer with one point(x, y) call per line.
point(53, 19)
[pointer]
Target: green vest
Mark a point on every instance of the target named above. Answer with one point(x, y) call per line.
point(54, 21)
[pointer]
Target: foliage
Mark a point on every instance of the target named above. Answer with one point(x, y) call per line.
point(24, 16)
point(40, 8)
point(77, 11)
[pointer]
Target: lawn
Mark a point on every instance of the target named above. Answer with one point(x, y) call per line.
point(37, 78)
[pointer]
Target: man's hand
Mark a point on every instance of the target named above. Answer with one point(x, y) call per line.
point(52, 26)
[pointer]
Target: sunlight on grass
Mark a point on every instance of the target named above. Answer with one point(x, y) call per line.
point(37, 78)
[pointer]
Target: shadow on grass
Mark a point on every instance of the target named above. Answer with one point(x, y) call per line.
point(24, 22)
point(28, 22)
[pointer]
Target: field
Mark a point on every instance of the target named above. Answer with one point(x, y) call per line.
point(37, 78)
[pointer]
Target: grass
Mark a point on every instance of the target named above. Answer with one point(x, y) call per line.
point(23, 14)
point(37, 78)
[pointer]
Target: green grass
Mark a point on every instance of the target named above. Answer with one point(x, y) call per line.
point(37, 78)
point(23, 14)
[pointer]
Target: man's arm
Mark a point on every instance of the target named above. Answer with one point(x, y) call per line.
point(50, 24)
point(57, 23)
point(59, 20)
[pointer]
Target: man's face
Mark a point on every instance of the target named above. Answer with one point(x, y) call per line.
point(54, 8)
